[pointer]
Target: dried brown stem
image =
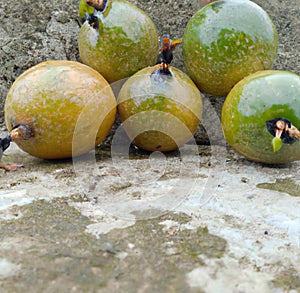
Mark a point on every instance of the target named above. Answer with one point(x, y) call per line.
point(21, 132)
point(97, 4)
point(293, 132)
point(205, 2)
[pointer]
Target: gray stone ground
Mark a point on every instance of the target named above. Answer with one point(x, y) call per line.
point(202, 220)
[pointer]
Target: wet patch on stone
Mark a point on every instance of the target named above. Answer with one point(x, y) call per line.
point(282, 185)
point(49, 245)
point(158, 255)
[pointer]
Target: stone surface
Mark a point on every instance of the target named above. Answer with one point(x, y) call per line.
point(204, 220)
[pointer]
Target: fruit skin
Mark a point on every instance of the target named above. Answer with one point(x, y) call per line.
point(50, 97)
point(84, 9)
point(226, 41)
point(125, 42)
point(256, 99)
point(160, 112)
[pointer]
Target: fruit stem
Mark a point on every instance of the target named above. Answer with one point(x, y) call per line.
point(283, 131)
point(205, 2)
point(21, 132)
point(165, 56)
point(97, 4)
point(293, 132)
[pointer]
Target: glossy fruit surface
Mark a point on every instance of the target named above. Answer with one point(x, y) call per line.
point(160, 112)
point(123, 42)
point(50, 97)
point(226, 41)
point(256, 99)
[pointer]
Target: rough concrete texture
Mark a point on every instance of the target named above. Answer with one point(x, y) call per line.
point(201, 219)
point(212, 222)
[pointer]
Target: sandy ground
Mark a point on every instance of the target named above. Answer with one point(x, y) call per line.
point(201, 219)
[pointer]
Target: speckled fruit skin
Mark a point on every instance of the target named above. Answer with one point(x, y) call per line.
point(226, 41)
point(256, 99)
point(159, 112)
point(125, 43)
point(50, 97)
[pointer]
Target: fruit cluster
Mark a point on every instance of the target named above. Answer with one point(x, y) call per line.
point(229, 47)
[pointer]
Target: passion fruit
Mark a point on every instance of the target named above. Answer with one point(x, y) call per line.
point(44, 103)
point(261, 117)
point(160, 108)
point(118, 39)
point(226, 41)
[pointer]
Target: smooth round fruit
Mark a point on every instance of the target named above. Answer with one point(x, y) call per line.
point(226, 41)
point(160, 112)
point(256, 99)
point(123, 41)
point(50, 98)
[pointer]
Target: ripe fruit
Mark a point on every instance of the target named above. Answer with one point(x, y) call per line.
point(226, 41)
point(44, 103)
point(160, 108)
point(118, 40)
point(258, 115)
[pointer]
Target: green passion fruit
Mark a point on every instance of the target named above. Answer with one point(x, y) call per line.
point(160, 109)
point(226, 41)
point(118, 40)
point(261, 117)
point(44, 103)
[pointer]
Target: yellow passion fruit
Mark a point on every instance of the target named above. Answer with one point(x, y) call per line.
point(44, 103)
point(160, 110)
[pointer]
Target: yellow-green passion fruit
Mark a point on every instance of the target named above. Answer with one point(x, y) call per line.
point(118, 40)
point(226, 41)
point(160, 111)
point(261, 117)
point(47, 101)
